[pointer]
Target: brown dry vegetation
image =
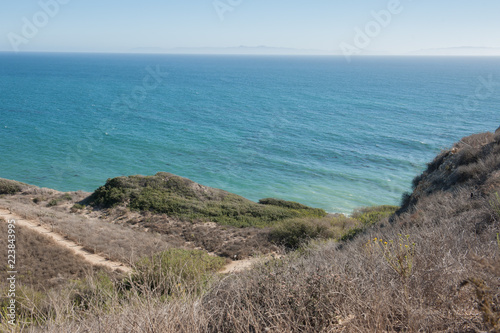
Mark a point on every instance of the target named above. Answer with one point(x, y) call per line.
point(225, 241)
point(435, 267)
point(473, 162)
point(40, 262)
point(286, 224)
point(118, 226)
point(114, 241)
point(357, 287)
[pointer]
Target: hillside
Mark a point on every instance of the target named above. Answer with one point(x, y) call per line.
point(134, 217)
point(471, 164)
point(433, 266)
point(179, 197)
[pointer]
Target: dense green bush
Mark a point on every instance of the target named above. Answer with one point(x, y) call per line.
point(66, 197)
point(9, 186)
point(57, 200)
point(168, 194)
point(284, 203)
point(232, 210)
point(372, 215)
point(295, 232)
point(367, 217)
point(31, 305)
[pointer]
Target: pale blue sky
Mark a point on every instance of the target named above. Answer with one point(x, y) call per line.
point(124, 25)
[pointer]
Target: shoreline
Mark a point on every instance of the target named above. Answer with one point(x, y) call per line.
point(345, 212)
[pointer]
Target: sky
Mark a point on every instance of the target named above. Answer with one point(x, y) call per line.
point(323, 26)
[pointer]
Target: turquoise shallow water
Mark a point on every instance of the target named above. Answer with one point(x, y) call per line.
point(311, 129)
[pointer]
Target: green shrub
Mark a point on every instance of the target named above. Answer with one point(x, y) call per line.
point(175, 272)
point(95, 291)
point(367, 216)
point(53, 203)
point(76, 207)
point(66, 197)
point(232, 210)
point(56, 201)
point(351, 233)
point(295, 232)
point(32, 306)
point(284, 203)
point(180, 197)
point(9, 186)
point(495, 204)
point(372, 215)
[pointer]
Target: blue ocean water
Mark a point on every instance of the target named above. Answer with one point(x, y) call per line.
point(317, 130)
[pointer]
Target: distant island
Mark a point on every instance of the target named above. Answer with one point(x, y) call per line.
point(237, 50)
point(459, 51)
point(269, 50)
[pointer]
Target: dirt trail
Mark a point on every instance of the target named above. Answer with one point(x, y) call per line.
point(239, 265)
point(244, 264)
point(96, 259)
point(92, 258)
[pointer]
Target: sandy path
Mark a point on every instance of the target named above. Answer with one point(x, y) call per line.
point(239, 265)
point(92, 258)
point(98, 260)
point(242, 265)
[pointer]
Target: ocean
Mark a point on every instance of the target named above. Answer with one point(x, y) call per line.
point(317, 130)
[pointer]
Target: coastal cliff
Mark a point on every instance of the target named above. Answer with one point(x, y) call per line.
point(432, 264)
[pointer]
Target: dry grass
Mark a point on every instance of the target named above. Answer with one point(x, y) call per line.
point(473, 162)
point(448, 280)
point(225, 241)
point(350, 287)
point(40, 262)
point(102, 304)
point(328, 288)
point(114, 241)
point(355, 287)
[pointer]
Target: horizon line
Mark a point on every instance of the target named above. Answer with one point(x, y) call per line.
point(255, 54)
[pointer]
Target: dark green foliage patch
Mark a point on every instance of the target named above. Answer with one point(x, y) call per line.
point(165, 193)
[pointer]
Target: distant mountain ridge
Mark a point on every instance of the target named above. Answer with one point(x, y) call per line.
point(270, 50)
point(242, 49)
point(460, 51)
